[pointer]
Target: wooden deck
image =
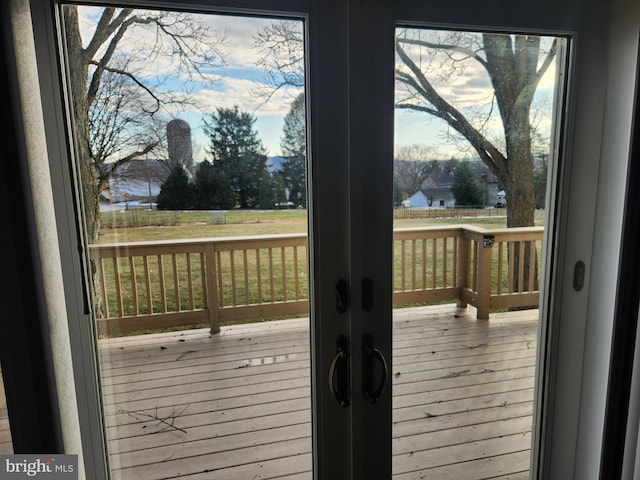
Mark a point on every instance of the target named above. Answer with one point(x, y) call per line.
point(236, 406)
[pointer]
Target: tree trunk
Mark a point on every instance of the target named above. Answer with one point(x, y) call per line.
point(78, 74)
point(85, 166)
point(520, 190)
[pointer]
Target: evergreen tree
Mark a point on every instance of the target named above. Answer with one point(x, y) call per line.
point(212, 188)
point(294, 149)
point(237, 152)
point(176, 192)
point(272, 191)
point(465, 188)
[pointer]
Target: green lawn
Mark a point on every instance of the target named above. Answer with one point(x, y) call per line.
point(141, 225)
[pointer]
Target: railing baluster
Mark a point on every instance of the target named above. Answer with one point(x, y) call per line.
point(512, 253)
point(434, 261)
point(464, 254)
point(295, 272)
point(232, 266)
point(103, 285)
point(521, 267)
point(176, 282)
point(246, 276)
point(403, 266)
point(414, 261)
point(147, 284)
point(273, 299)
point(134, 286)
point(203, 279)
point(163, 290)
point(532, 264)
point(214, 301)
point(220, 279)
point(444, 262)
point(192, 302)
point(116, 275)
point(455, 260)
point(474, 267)
point(424, 263)
point(500, 260)
point(259, 275)
point(284, 274)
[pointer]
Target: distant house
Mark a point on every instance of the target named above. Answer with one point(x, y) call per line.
point(418, 199)
point(441, 197)
point(437, 189)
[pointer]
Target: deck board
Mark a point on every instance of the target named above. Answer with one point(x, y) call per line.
point(462, 399)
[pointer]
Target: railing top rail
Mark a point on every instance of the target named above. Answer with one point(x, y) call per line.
point(431, 231)
point(504, 234)
point(469, 231)
point(199, 241)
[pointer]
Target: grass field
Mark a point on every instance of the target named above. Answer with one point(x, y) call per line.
point(142, 225)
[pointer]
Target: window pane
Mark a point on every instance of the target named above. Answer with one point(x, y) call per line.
point(191, 146)
point(474, 130)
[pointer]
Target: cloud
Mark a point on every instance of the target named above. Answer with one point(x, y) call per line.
point(237, 91)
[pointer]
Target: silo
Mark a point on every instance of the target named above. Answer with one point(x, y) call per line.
point(179, 143)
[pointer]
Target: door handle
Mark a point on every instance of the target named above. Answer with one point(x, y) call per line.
point(371, 355)
point(339, 372)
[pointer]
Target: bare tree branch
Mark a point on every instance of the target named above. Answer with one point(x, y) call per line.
point(281, 46)
point(444, 110)
point(443, 46)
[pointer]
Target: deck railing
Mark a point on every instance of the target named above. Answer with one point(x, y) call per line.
point(151, 285)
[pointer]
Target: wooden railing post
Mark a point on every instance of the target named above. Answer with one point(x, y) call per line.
point(212, 287)
point(464, 255)
point(484, 277)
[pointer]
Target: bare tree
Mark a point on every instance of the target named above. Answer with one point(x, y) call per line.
point(412, 165)
point(514, 66)
point(115, 101)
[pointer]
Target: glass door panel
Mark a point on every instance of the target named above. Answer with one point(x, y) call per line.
point(191, 147)
point(475, 136)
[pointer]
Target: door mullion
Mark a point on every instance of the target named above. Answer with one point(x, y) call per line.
point(329, 230)
point(371, 87)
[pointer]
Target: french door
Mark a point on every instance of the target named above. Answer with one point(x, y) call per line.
point(353, 258)
point(351, 65)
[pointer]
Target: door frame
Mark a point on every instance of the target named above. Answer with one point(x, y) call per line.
point(575, 366)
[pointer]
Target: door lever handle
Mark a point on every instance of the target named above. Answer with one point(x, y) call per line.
point(339, 372)
point(371, 355)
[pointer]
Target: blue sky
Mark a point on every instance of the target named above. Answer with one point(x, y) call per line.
point(238, 80)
